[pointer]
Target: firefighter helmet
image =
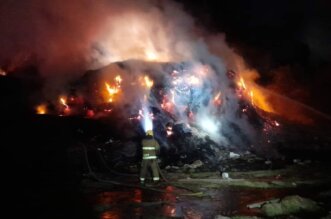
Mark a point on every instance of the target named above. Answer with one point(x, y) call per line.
point(149, 132)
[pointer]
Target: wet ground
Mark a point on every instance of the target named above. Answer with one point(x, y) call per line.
point(41, 180)
point(137, 203)
point(115, 202)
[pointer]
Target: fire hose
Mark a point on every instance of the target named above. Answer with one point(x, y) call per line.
point(135, 175)
point(126, 174)
point(92, 174)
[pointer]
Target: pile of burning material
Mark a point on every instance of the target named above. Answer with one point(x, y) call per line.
point(155, 71)
point(189, 109)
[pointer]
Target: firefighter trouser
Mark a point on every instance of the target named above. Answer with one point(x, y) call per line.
point(145, 164)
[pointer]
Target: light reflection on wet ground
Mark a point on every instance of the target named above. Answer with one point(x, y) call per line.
point(137, 203)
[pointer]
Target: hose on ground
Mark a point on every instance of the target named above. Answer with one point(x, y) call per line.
point(95, 177)
point(111, 170)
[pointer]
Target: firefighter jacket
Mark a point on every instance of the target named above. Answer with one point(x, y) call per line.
point(150, 148)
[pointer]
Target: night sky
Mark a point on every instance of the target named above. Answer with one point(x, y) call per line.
point(287, 41)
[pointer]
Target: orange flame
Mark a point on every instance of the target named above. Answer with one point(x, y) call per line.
point(259, 99)
point(66, 111)
point(242, 84)
point(248, 87)
point(41, 109)
point(112, 90)
point(252, 91)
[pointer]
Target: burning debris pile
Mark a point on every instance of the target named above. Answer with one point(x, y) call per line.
point(147, 69)
point(100, 74)
point(188, 108)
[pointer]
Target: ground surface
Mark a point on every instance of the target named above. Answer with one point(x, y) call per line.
point(207, 195)
point(46, 176)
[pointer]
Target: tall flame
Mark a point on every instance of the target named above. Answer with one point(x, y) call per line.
point(112, 90)
point(63, 101)
point(251, 91)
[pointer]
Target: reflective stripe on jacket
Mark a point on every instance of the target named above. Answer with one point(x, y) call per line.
point(149, 157)
point(150, 146)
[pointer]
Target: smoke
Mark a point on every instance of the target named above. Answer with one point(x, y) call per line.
point(66, 38)
point(61, 36)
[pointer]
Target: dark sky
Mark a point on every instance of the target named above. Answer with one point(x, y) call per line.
point(287, 41)
point(292, 26)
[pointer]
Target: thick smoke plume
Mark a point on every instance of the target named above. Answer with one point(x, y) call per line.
point(66, 38)
point(61, 36)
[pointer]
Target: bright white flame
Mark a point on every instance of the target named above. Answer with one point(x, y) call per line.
point(193, 80)
point(64, 102)
point(118, 79)
point(209, 125)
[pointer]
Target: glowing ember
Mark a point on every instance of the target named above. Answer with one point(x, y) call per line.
point(2, 72)
point(41, 109)
point(108, 110)
point(148, 82)
point(167, 104)
point(169, 131)
point(217, 99)
point(66, 109)
point(90, 113)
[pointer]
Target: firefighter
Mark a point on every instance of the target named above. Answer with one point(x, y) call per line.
point(150, 148)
